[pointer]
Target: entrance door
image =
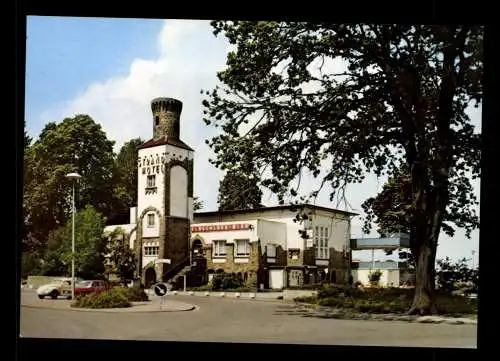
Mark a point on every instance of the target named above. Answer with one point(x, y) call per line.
point(196, 249)
point(150, 277)
point(276, 279)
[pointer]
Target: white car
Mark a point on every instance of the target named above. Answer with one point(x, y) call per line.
point(58, 287)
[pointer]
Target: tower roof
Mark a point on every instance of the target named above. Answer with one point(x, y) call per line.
point(164, 140)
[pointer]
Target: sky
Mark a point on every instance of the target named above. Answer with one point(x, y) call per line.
point(111, 68)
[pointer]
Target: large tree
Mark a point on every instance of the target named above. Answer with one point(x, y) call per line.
point(125, 176)
point(239, 190)
point(391, 207)
point(120, 256)
point(90, 246)
point(28, 244)
point(76, 144)
point(400, 100)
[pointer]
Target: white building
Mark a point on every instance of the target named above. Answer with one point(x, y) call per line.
point(393, 272)
point(265, 246)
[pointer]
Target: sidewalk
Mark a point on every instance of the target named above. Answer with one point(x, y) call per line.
point(283, 296)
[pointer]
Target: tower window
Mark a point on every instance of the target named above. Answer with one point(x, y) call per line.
point(151, 251)
point(151, 181)
point(151, 220)
point(157, 120)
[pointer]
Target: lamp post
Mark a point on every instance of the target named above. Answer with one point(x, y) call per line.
point(74, 177)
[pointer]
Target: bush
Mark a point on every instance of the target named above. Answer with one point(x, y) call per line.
point(374, 277)
point(225, 281)
point(386, 300)
point(207, 287)
point(307, 286)
point(456, 277)
point(113, 298)
point(306, 299)
point(136, 294)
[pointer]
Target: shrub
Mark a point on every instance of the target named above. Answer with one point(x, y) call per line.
point(374, 277)
point(136, 294)
point(113, 298)
point(225, 281)
point(386, 300)
point(207, 287)
point(307, 286)
point(330, 291)
point(458, 276)
point(306, 299)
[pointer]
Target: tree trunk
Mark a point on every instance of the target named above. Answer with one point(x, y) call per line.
point(424, 298)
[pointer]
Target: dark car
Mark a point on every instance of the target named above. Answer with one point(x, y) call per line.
point(90, 286)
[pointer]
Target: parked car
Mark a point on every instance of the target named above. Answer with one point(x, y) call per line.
point(91, 286)
point(57, 287)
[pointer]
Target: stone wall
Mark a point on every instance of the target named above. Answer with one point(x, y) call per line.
point(253, 268)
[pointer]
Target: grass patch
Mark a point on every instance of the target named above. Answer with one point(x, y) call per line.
point(386, 300)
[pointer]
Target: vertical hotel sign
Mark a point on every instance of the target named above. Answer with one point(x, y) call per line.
point(221, 227)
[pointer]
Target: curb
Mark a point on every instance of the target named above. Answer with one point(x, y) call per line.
point(229, 296)
point(134, 309)
point(327, 313)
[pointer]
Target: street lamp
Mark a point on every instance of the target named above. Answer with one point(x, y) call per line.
point(74, 177)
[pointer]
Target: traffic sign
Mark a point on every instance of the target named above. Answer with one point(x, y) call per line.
point(160, 289)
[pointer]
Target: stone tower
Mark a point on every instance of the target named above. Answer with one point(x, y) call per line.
point(165, 194)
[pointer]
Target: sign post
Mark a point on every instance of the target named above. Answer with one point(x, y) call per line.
point(160, 290)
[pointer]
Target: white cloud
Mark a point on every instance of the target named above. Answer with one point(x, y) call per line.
point(189, 57)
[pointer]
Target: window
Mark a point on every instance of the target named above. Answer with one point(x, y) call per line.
point(151, 181)
point(219, 248)
point(151, 220)
point(321, 242)
point(151, 251)
point(157, 120)
point(242, 247)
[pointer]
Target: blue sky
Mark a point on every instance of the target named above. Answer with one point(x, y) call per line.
point(112, 68)
point(65, 55)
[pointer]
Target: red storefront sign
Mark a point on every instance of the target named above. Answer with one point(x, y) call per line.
point(221, 228)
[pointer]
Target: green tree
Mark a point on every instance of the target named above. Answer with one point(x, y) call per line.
point(29, 243)
point(400, 100)
point(90, 246)
point(56, 259)
point(125, 176)
point(456, 276)
point(391, 208)
point(198, 204)
point(30, 264)
point(76, 144)
point(239, 190)
point(121, 257)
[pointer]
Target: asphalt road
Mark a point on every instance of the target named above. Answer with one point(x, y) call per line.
point(230, 320)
